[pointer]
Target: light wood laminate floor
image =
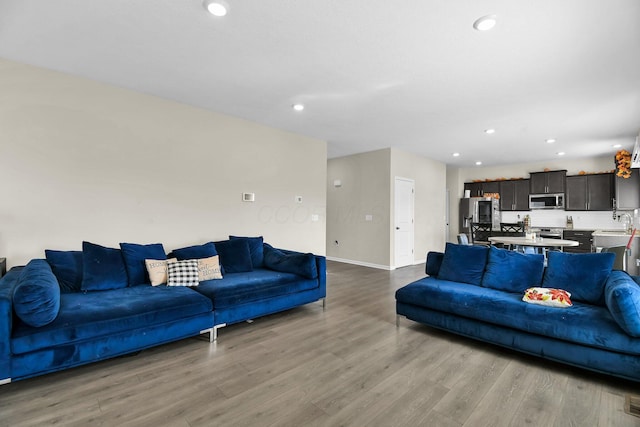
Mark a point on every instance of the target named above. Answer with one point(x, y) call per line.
point(346, 366)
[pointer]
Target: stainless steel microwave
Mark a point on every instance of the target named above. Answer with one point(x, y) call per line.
point(546, 201)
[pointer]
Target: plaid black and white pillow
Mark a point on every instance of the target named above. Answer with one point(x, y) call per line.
point(182, 273)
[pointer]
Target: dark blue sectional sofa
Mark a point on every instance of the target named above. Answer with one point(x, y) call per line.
point(478, 292)
point(78, 307)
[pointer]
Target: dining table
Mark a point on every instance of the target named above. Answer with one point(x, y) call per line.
point(538, 242)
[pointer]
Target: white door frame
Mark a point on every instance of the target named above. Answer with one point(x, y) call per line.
point(403, 223)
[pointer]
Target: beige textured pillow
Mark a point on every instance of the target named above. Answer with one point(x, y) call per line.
point(157, 269)
point(209, 268)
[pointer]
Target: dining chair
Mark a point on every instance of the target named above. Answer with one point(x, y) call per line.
point(480, 233)
point(463, 239)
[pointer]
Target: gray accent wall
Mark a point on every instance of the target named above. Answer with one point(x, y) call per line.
point(367, 188)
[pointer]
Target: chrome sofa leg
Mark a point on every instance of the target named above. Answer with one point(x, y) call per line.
point(214, 335)
point(324, 304)
point(397, 320)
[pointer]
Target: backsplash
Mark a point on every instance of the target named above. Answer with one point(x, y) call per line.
point(558, 218)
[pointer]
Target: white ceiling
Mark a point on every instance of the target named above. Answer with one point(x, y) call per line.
point(411, 74)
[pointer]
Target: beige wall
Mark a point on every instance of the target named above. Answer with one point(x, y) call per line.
point(430, 184)
point(367, 189)
point(85, 161)
point(364, 191)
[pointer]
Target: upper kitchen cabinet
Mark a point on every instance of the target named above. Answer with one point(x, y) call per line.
point(478, 189)
point(547, 182)
point(589, 192)
point(514, 195)
point(628, 191)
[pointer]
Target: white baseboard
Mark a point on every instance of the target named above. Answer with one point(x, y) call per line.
point(361, 263)
point(368, 264)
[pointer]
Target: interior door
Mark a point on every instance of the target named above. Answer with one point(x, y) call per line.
point(403, 218)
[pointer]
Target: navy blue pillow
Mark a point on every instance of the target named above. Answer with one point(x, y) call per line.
point(36, 297)
point(255, 249)
point(102, 268)
point(134, 256)
point(234, 255)
point(434, 261)
point(463, 263)
point(67, 267)
point(583, 275)
point(296, 263)
point(512, 271)
point(195, 252)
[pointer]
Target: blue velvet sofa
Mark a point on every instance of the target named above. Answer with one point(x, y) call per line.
point(77, 307)
point(478, 291)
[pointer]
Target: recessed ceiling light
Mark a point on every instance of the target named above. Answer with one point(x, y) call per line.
point(485, 23)
point(478, 163)
point(456, 154)
point(550, 141)
point(617, 145)
point(489, 131)
point(216, 7)
point(298, 107)
point(561, 153)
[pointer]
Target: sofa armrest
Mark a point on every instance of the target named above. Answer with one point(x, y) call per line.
point(7, 285)
point(321, 265)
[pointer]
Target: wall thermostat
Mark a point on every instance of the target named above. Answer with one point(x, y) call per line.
point(248, 197)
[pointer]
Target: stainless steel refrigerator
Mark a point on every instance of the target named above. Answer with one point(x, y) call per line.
point(482, 210)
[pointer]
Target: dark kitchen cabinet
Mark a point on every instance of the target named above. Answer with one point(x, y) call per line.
point(478, 189)
point(628, 191)
point(589, 192)
point(547, 182)
point(514, 195)
point(583, 237)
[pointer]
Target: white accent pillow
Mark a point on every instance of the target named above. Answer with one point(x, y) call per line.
point(157, 269)
point(209, 268)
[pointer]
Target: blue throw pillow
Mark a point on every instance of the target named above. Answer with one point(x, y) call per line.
point(67, 267)
point(134, 256)
point(195, 252)
point(103, 268)
point(622, 296)
point(583, 275)
point(234, 255)
point(434, 261)
point(463, 263)
point(36, 297)
point(296, 263)
point(255, 249)
point(512, 271)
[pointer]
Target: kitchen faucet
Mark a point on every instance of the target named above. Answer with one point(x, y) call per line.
point(627, 221)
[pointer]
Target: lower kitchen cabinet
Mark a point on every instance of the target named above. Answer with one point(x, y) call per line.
point(583, 237)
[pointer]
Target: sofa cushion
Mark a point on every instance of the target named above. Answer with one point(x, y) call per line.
point(86, 316)
point(622, 297)
point(290, 262)
point(255, 249)
point(134, 256)
point(434, 261)
point(234, 255)
point(67, 267)
point(512, 271)
point(195, 252)
point(254, 286)
point(583, 275)
point(463, 263)
point(182, 273)
point(582, 323)
point(102, 268)
point(36, 297)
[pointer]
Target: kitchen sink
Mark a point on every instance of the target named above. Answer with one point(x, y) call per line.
point(610, 238)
